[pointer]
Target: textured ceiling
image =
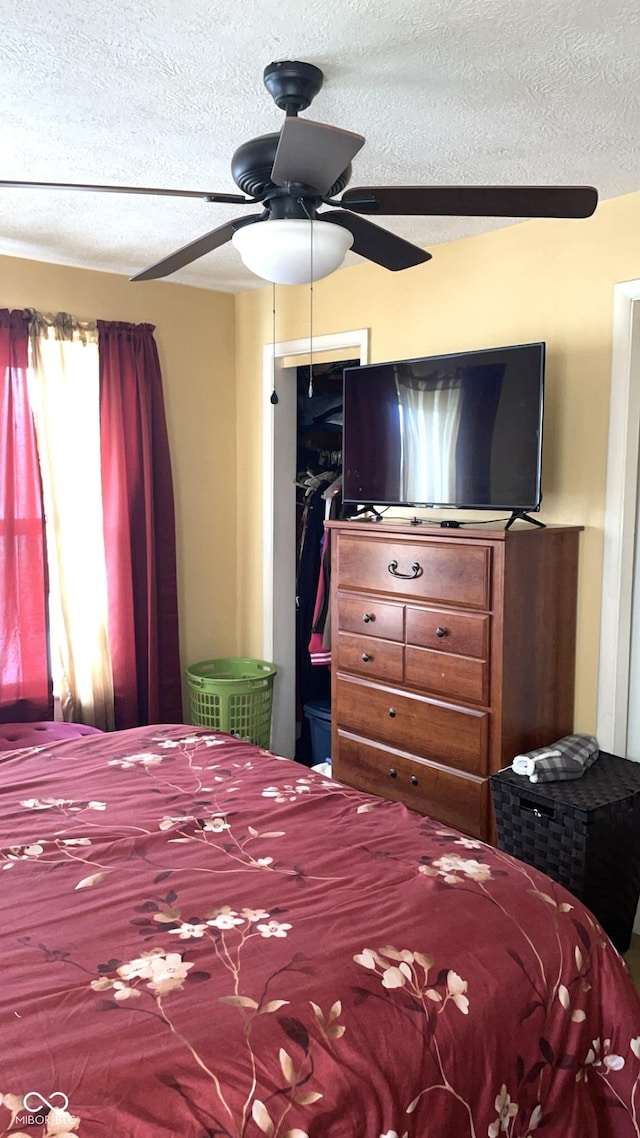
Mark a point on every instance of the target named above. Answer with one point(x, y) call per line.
point(160, 93)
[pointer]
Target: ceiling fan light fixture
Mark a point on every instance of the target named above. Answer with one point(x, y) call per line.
point(281, 251)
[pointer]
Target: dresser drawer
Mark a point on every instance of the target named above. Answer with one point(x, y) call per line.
point(458, 677)
point(368, 656)
point(370, 617)
point(455, 736)
point(426, 570)
point(464, 633)
point(455, 799)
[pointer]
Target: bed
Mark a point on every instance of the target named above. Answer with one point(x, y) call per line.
point(202, 939)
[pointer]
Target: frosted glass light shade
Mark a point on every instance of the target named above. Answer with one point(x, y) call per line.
point(280, 250)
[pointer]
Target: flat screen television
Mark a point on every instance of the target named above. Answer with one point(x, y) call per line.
point(458, 431)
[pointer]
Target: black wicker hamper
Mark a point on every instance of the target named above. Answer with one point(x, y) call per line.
point(584, 833)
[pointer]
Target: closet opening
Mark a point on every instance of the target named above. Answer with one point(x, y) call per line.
point(318, 498)
point(279, 465)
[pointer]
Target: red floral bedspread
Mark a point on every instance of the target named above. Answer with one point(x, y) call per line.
point(200, 939)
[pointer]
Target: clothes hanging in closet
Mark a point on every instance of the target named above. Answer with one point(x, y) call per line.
point(320, 639)
point(312, 683)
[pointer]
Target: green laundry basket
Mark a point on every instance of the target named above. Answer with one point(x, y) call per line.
point(234, 695)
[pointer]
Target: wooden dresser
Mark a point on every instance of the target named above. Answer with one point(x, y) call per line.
point(452, 651)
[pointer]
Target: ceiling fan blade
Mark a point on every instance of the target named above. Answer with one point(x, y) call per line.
point(474, 201)
point(230, 199)
point(377, 244)
point(196, 249)
point(313, 154)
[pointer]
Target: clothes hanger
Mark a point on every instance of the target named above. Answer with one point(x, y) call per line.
point(311, 481)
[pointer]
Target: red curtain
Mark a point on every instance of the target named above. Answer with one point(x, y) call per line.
point(139, 527)
point(25, 684)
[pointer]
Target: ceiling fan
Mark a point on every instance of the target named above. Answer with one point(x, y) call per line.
point(294, 175)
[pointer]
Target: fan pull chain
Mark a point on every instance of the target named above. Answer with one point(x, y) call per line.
point(310, 392)
point(274, 393)
point(302, 203)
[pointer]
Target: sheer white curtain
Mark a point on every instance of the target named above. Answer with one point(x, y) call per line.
point(65, 394)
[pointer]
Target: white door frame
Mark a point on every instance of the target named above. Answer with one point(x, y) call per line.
point(620, 521)
point(279, 516)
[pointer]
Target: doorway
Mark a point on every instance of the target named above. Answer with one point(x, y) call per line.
point(318, 498)
point(618, 722)
point(617, 732)
point(280, 364)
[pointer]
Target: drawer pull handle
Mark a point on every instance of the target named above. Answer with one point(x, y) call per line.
point(367, 617)
point(441, 632)
point(414, 780)
point(416, 571)
point(392, 712)
point(366, 657)
point(393, 773)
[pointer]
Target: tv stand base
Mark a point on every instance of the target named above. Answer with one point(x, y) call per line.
point(521, 514)
point(365, 512)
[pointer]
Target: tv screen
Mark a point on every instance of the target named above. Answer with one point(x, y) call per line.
point(462, 431)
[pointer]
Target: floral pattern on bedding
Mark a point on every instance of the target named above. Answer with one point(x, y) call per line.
point(202, 939)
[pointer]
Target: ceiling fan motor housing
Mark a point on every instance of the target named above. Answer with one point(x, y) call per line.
point(252, 164)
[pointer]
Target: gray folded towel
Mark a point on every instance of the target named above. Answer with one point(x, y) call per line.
point(569, 757)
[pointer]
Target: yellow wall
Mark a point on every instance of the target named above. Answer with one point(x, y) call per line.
point(541, 280)
point(196, 344)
